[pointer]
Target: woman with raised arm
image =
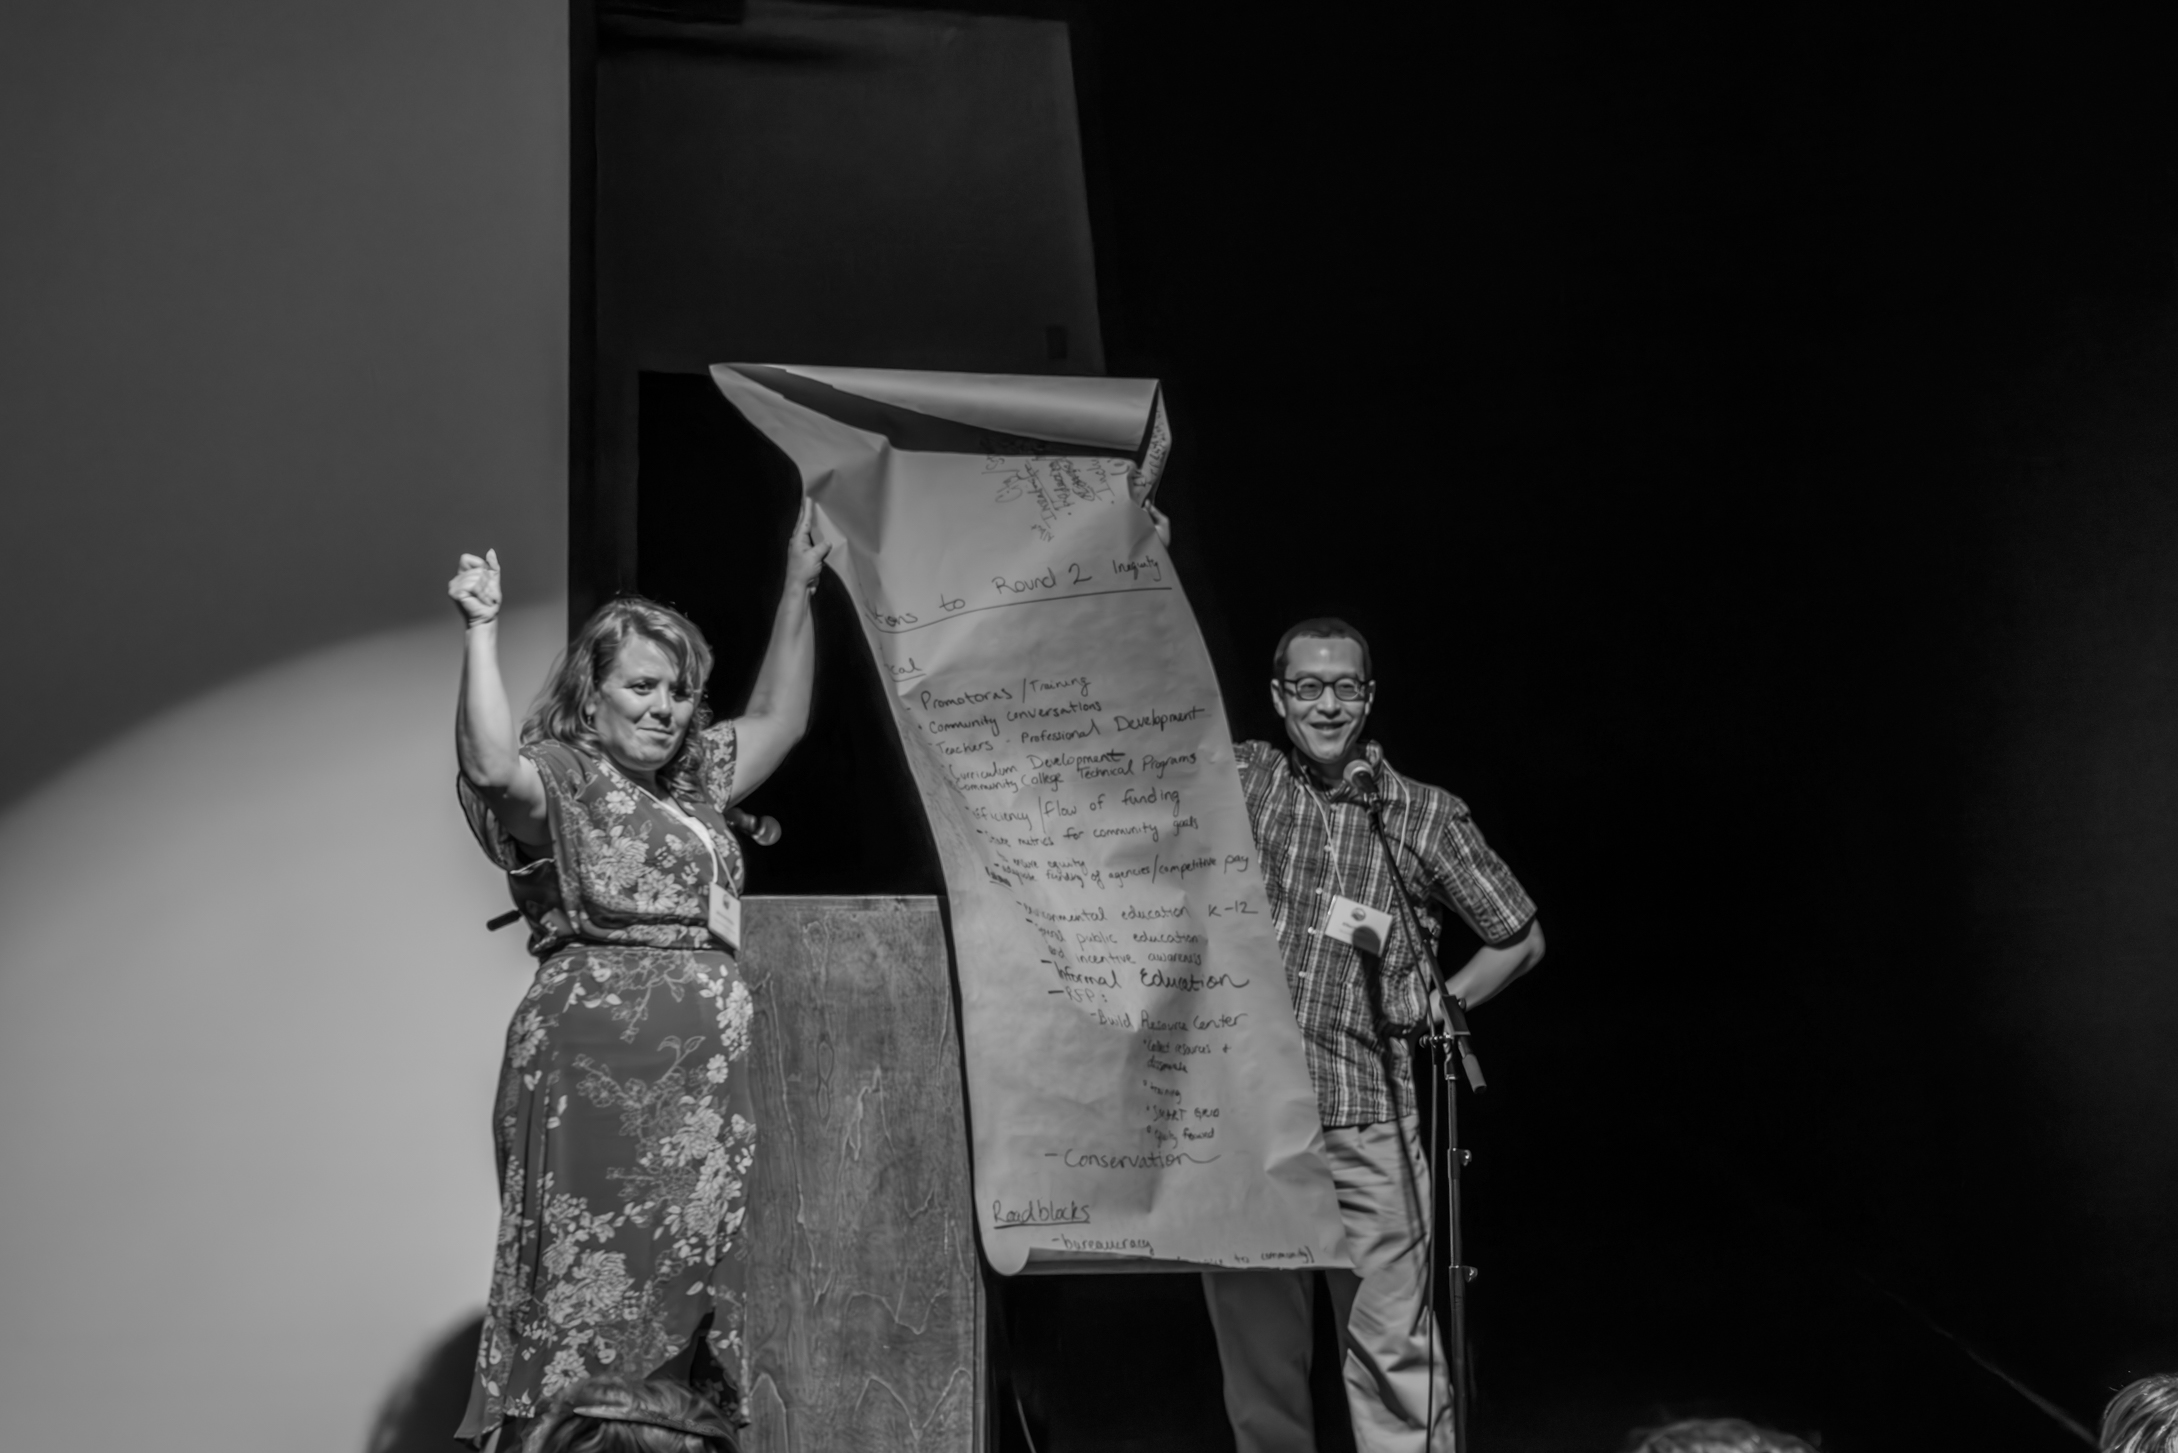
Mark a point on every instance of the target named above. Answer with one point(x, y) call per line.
point(623, 1122)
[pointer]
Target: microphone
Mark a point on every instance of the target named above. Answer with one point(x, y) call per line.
point(1456, 1021)
point(1362, 778)
point(764, 831)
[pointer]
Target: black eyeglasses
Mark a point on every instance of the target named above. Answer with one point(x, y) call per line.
point(1308, 688)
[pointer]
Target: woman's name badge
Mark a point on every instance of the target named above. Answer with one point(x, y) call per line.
point(726, 917)
point(1364, 927)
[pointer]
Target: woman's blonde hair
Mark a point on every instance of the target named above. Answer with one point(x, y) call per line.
point(564, 707)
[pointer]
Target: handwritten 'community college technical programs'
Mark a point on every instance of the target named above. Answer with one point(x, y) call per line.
point(1135, 1077)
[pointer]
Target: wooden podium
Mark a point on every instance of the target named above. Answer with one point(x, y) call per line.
point(865, 1317)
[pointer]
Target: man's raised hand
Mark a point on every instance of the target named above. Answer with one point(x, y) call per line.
point(475, 589)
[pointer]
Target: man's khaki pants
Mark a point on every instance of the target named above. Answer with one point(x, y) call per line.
point(1264, 1318)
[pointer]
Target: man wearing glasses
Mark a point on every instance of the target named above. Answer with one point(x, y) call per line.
point(1361, 996)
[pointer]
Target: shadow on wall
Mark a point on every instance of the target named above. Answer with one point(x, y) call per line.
point(426, 1405)
point(250, 1023)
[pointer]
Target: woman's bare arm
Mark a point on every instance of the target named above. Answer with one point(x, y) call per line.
point(486, 742)
point(778, 711)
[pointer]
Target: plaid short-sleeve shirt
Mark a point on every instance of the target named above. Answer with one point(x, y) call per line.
point(1357, 1011)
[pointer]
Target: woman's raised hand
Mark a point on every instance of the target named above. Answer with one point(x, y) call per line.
point(475, 589)
point(805, 552)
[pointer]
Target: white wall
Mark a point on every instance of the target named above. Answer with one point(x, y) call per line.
point(250, 1023)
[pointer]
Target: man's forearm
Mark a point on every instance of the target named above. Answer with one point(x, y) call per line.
point(1491, 969)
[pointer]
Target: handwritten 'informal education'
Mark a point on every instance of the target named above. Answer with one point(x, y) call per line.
point(1136, 1082)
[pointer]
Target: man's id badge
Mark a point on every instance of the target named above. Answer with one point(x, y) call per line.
point(726, 917)
point(1364, 927)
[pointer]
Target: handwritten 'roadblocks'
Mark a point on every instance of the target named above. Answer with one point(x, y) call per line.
point(1135, 1077)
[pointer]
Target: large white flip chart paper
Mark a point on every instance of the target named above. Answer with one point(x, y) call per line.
point(1136, 1083)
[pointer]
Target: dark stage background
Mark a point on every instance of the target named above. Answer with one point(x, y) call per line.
point(1750, 449)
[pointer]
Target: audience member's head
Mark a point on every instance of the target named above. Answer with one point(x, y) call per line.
point(626, 1415)
point(1717, 1435)
point(2143, 1417)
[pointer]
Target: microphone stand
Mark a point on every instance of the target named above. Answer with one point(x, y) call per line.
point(1455, 1036)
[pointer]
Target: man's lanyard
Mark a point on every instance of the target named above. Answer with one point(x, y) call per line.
point(1343, 920)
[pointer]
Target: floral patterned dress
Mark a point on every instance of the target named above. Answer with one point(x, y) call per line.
point(623, 1122)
